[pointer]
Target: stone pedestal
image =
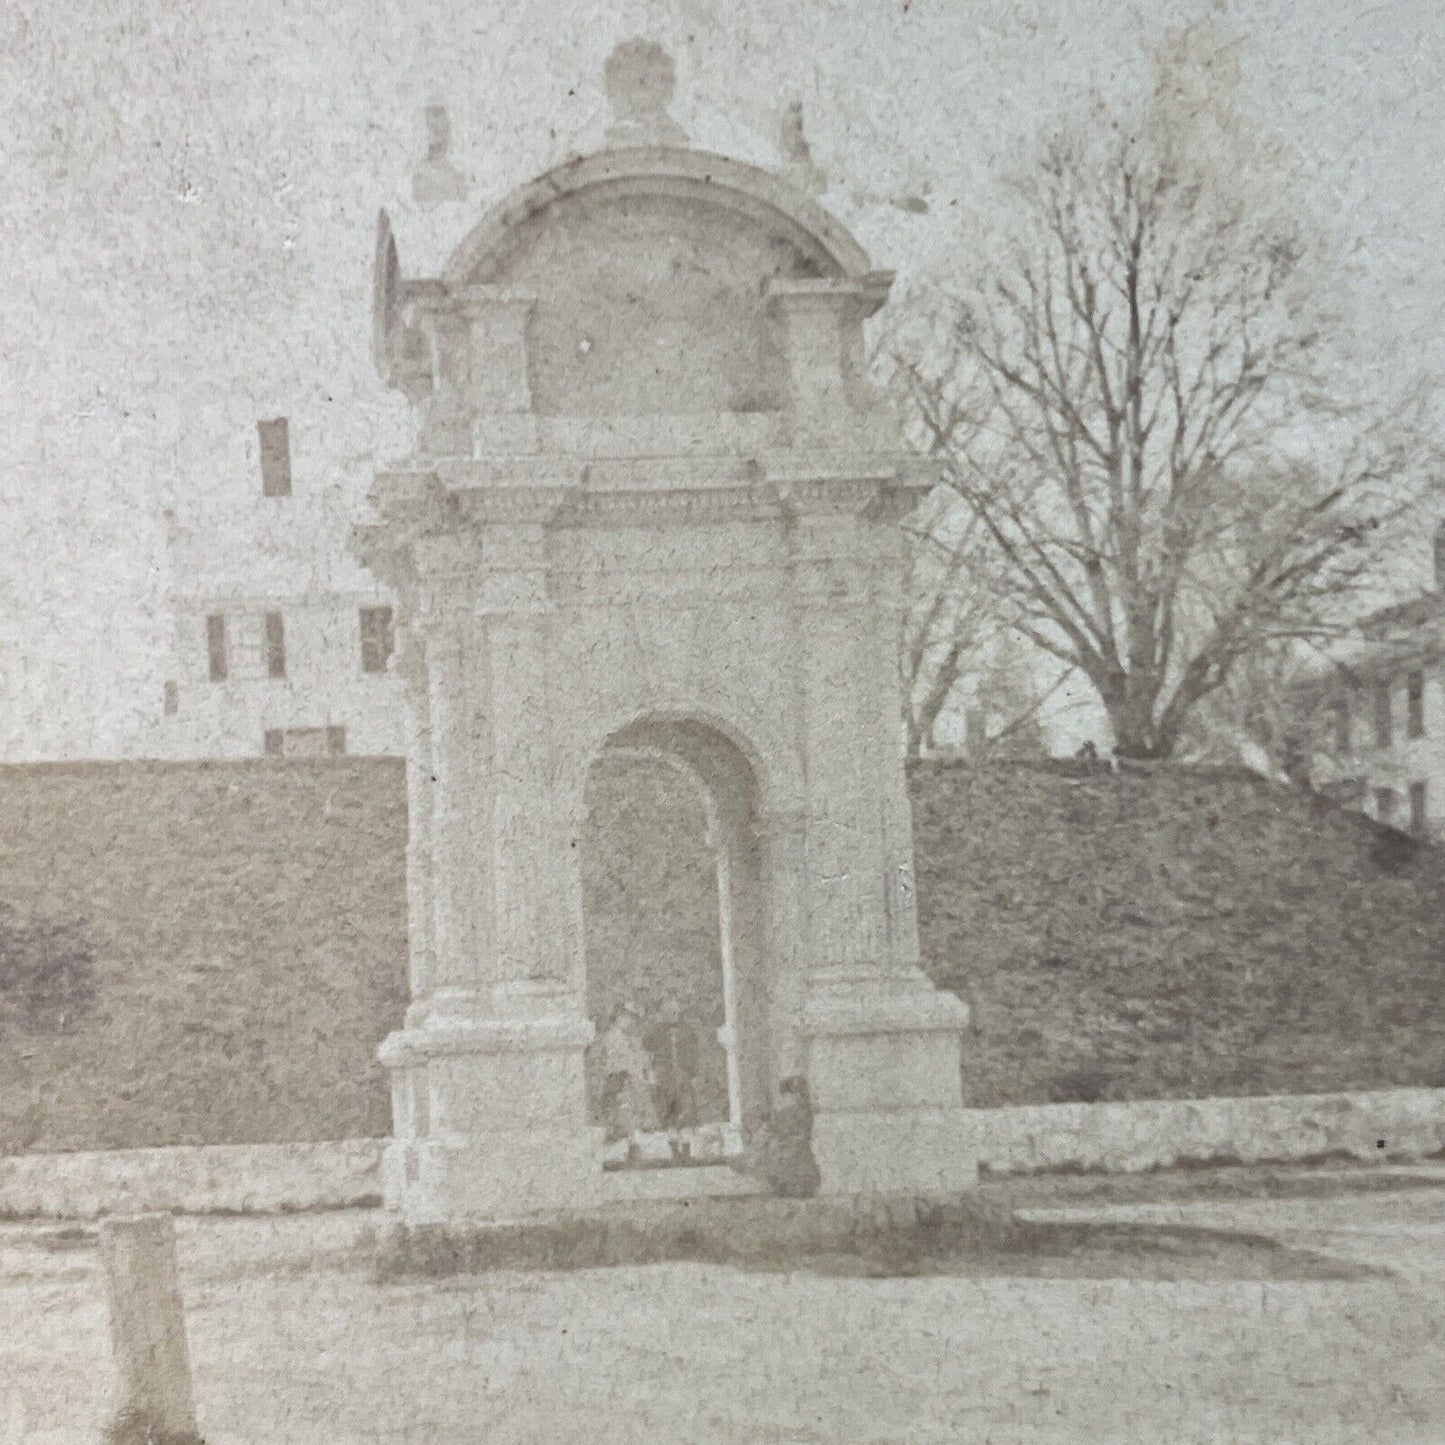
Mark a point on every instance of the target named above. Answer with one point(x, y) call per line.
point(490, 1115)
point(883, 1068)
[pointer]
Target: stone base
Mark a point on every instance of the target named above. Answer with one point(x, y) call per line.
point(500, 1176)
point(895, 1151)
point(490, 1111)
point(883, 1066)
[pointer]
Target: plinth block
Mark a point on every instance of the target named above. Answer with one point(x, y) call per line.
point(490, 1113)
point(884, 1073)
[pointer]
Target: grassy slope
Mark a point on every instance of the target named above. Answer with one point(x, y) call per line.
point(1174, 933)
point(248, 927)
point(1130, 935)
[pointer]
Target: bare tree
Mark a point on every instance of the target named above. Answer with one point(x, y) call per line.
point(956, 646)
point(948, 614)
point(1267, 715)
point(1134, 404)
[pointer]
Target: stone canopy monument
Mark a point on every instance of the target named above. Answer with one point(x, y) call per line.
point(651, 512)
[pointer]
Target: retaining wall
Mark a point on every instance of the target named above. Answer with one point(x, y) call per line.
point(198, 1179)
point(1124, 1138)
point(210, 953)
point(1392, 1124)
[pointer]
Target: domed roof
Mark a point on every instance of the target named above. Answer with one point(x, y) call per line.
point(666, 170)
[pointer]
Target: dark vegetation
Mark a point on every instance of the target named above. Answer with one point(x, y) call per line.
point(47, 974)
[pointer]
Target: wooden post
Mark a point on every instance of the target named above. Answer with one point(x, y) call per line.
point(148, 1330)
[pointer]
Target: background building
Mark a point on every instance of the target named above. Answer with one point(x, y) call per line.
point(280, 641)
point(1379, 720)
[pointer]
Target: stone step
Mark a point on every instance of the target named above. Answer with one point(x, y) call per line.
point(708, 1181)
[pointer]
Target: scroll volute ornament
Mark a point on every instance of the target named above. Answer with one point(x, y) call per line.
point(399, 348)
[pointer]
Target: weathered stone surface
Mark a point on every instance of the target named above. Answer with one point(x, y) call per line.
point(1152, 1134)
point(148, 1332)
point(198, 1180)
point(706, 596)
point(1113, 1138)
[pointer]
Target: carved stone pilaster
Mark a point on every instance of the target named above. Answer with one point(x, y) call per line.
point(822, 323)
point(447, 414)
point(409, 663)
point(497, 319)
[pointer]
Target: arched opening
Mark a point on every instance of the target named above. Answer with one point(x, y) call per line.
point(676, 986)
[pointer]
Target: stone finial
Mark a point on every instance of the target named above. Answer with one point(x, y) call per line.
point(798, 163)
point(640, 79)
point(438, 133)
point(436, 179)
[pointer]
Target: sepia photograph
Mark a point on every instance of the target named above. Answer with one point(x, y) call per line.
point(722, 722)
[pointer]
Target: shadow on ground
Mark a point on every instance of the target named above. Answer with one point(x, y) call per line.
point(882, 1238)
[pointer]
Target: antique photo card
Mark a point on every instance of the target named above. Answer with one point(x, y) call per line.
point(722, 722)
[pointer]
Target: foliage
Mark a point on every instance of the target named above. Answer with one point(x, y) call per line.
point(47, 974)
point(1142, 401)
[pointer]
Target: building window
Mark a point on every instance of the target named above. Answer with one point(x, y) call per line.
point(304, 742)
point(216, 647)
point(378, 638)
point(1341, 711)
point(1415, 705)
point(1384, 717)
point(1417, 808)
point(171, 699)
point(275, 645)
point(1385, 804)
point(275, 437)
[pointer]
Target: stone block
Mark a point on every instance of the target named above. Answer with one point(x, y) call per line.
point(894, 1151)
point(1150, 1134)
point(148, 1329)
point(502, 1175)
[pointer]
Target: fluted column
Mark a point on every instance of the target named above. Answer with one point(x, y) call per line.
point(409, 664)
point(529, 854)
point(781, 835)
point(845, 868)
point(882, 624)
point(453, 742)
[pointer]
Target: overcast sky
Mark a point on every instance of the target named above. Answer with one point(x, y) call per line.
point(191, 192)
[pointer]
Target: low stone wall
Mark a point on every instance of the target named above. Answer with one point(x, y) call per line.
point(1156, 1133)
point(195, 1179)
point(1391, 1124)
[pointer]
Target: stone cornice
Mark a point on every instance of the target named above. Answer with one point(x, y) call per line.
point(524, 484)
point(452, 1038)
point(875, 1000)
